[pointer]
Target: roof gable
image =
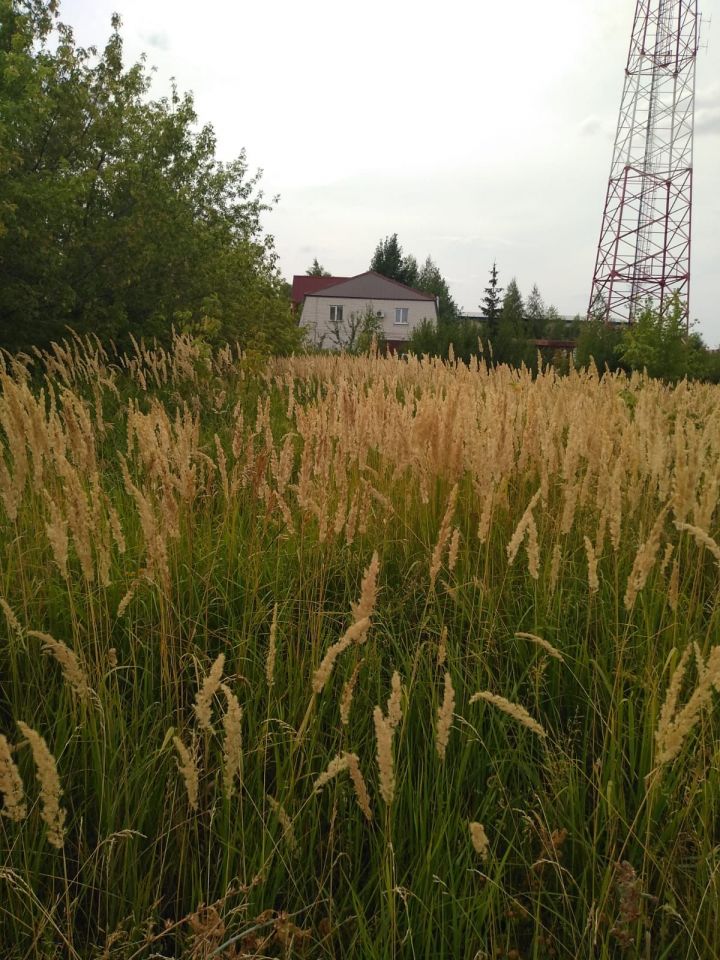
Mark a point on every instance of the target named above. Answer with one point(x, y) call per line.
point(370, 286)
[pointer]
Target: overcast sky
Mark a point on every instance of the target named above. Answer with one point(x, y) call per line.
point(475, 131)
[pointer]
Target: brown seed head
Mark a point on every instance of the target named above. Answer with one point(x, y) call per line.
point(445, 718)
point(514, 710)
point(50, 791)
point(204, 696)
point(479, 840)
point(11, 786)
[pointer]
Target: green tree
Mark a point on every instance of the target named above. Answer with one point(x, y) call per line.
point(511, 344)
point(430, 280)
point(434, 339)
point(115, 215)
point(370, 332)
point(598, 342)
point(390, 261)
point(491, 303)
point(410, 271)
point(354, 331)
point(535, 314)
point(317, 270)
point(555, 325)
point(388, 258)
point(658, 341)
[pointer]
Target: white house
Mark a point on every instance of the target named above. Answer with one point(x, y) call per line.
point(333, 308)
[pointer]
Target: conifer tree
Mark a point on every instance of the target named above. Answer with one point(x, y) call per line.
point(535, 314)
point(317, 270)
point(388, 258)
point(431, 280)
point(491, 305)
point(511, 341)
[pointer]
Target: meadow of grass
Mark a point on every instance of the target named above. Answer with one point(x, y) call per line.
point(331, 657)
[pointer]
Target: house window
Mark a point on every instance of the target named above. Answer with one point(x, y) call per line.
point(401, 314)
point(336, 313)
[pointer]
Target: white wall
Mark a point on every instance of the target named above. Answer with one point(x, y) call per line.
point(315, 317)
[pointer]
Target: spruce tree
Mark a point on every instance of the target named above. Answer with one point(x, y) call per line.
point(510, 345)
point(388, 258)
point(535, 314)
point(430, 280)
point(491, 303)
point(410, 271)
point(317, 270)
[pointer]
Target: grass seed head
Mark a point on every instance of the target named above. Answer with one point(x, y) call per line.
point(479, 839)
point(204, 696)
point(188, 771)
point(348, 693)
point(676, 724)
point(356, 633)
point(285, 822)
point(50, 790)
point(12, 621)
point(57, 534)
point(514, 710)
point(11, 785)
point(358, 781)
point(232, 746)
point(442, 647)
point(454, 550)
point(702, 538)
point(384, 739)
point(593, 582)
point(365, 606)
point(445, 718)
point(336, 766)
point(544, 644)
point(126, 601)
point(394, 704)
point(72, 671)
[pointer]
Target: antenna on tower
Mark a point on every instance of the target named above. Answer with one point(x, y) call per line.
point(644, 248)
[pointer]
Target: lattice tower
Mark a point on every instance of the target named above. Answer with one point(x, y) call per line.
point(644, 248)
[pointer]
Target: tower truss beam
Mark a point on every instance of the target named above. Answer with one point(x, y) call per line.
point(645, 240)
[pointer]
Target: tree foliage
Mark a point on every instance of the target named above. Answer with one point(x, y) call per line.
point(435, 339)
point(491, 304)
point(510, 342)
point(115, 215)
point(389, 260)
point(535, 311)
point(658, 341)
point(598, 343)
point(430, 280)
point(371, 334)
point(317, 270)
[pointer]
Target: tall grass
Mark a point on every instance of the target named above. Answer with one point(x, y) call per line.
point(366, 657)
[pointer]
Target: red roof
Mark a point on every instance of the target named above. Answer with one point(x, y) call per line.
point(303, 286)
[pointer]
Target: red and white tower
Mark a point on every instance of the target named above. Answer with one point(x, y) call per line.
point(644, 248)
